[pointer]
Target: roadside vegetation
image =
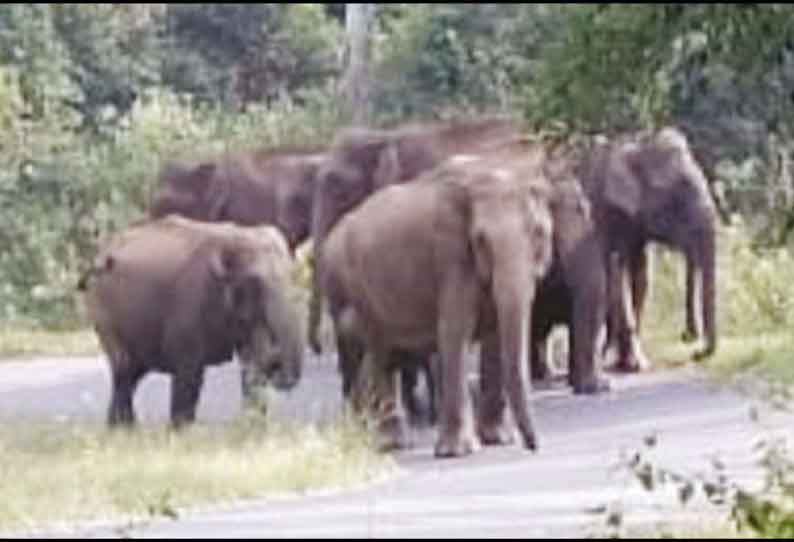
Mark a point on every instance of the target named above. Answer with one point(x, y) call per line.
point(55, 474)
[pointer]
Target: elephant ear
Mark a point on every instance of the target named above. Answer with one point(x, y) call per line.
point(240, 293)
point(387, 170)
point(621, 182)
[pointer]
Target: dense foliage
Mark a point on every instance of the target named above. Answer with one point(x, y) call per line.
point(93, 97)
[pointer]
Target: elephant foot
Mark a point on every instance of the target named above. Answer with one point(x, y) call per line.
point(689, 336)
point(592, 386)
point(456, 444)
point(540, 372)
point(634, 361)
point(393, 434)
point(315, 344)
point(496, 434)
point(632, 364)
point(121, 425)
point(704, 353)
point(530, 441)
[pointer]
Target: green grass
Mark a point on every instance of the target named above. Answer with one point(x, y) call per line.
point(755, 310)
point(709, 531)
point(64, 473)
point(20, 342)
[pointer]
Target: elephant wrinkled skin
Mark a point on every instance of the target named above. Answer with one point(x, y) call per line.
point(174, 295)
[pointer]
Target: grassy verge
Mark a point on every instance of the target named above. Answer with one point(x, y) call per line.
point(53, 474)
point(18, 342)
point(768, 354)
point(755, 309)
point(688, 532)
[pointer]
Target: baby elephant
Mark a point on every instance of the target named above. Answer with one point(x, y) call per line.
point(174, 295)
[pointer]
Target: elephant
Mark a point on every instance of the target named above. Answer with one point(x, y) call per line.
point(175, 296)
point(574, 291)
point(642, 272)
point(642, 191)
point(362, 161)
point(271, 186)
point(434, 265)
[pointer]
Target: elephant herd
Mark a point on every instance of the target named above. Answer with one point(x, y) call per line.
point(427, 240)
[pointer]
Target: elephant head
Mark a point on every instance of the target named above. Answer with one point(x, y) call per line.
point(196, 192)
point(253, 277)
point(657, 187)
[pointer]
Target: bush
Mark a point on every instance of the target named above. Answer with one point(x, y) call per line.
point(67, 192)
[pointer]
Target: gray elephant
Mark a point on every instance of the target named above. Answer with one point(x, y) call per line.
point(436, 264)
point(362, 161)
point(574, 291)
point(271, 186)
point(651, 190)
point(174, 295)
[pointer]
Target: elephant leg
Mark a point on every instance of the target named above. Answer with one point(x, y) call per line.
point(630, 355)
point(392, 423)
point(589, 307)
point(458, 306)
point(409, 379)
point(431, 378)
point(186, 386)
point(492, 427)
point(641, 262)
point(691, 332)
point(613, 302)
point(124, 381)
point(350, 353)
point(539, 364)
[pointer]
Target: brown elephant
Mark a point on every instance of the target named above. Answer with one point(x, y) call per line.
point(435, 264)
point(174, 295)
point(273, 186)
point(362, 161)
point(651, 190)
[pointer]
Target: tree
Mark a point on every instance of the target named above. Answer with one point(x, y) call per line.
point(243, 53)
point(356, 82)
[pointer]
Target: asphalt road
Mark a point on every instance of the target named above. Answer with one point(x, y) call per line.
point(497, 492)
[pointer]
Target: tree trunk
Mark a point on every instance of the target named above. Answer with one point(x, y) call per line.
point(356, 83)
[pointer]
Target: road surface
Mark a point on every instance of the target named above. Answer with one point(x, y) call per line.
point(498, 492)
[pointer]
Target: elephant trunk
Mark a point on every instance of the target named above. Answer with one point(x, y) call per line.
point(283, 319)
point(514, 291)
point(274, 350)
